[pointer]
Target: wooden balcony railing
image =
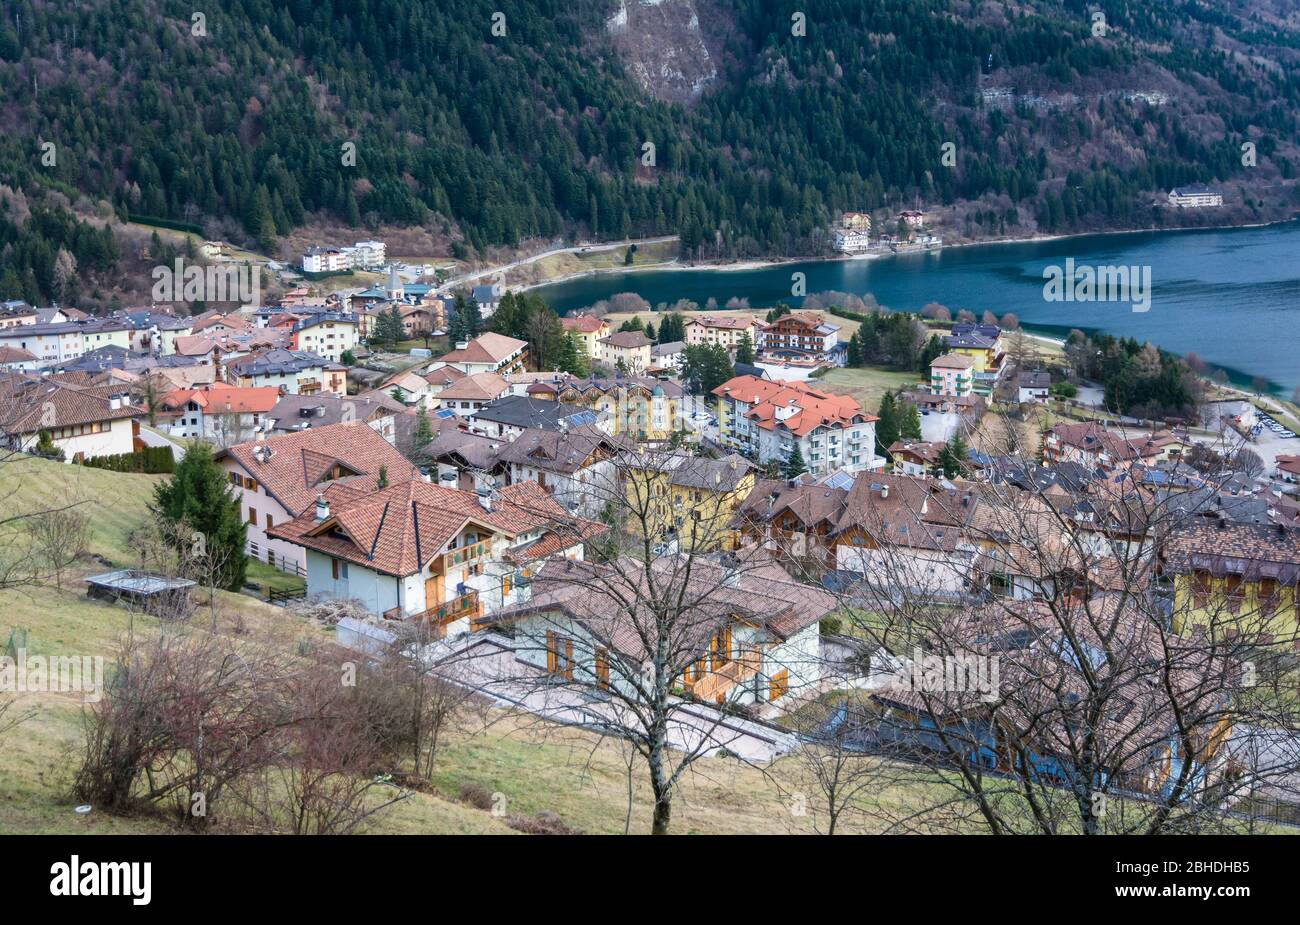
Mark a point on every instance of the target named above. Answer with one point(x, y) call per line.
point(714, 685)
point(450, 611)
point(465, 555)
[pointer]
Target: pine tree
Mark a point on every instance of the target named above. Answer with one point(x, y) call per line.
point(909, 421)
point(199, 496)
point(472, 319)
point(854, 355)
point(745, 349)
point(953, 456)
point(794, 465)
point(422, 434)
point(887, 426)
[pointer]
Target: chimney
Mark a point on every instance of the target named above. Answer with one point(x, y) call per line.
point(322, 509)
point(884, 491)
point(485, 499)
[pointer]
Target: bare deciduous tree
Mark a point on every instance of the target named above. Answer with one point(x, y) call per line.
point(59, 538)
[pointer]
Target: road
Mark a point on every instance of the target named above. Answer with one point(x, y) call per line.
point(579, 248)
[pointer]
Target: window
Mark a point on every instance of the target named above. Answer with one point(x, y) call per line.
point(720, 647)
point(779, 685)
point(559, 655)
point(602, 668)
point(269, 522)
point(252, 517)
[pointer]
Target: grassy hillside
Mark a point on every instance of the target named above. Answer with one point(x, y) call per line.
point(573, 774)
point(115, 502)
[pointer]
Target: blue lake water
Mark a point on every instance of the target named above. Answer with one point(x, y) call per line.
point(1230, 296)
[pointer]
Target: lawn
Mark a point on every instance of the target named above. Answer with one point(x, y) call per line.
point(116, 502)
point(866, 384)
point(536, 767)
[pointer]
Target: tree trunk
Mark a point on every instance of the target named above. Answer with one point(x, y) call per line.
point(663, 815)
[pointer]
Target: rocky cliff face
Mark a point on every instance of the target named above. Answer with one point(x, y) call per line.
point(664, 48)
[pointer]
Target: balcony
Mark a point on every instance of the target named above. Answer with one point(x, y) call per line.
point(713, 686)
point(458, 608)
point(465, 555)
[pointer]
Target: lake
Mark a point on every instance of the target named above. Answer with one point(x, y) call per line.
point(1231, 296)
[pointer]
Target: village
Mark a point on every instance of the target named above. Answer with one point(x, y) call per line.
point(703, 545)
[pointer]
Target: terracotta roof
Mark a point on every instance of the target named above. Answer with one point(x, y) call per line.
point(627, 340)
point(10, 354)
point(299, 462)
point(728, 323)
point(29, 404)
point(1222, 547)
point(399, 529)
point(587, 324)
point(926, 452)
point(613, 602)
point(486, 348)
point(478, 387)
point(769, 400)
point(952, 361)
point(1091, 437)
point(444, 376)
point(227, 399)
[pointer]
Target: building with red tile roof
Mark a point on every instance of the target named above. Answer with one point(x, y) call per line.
point(279, 477)
point(424, 550)
point(222, 414)
point(767, 419)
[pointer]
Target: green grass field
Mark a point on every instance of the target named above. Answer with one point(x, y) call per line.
point(867, 385)
point(536, 766)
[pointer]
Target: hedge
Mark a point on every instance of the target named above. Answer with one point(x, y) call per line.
point(159, 222)
point(152, 459)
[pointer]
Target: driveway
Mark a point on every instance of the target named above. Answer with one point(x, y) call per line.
point(939, 426)
point(487, 664)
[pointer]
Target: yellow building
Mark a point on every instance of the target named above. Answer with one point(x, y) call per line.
point(1236, 578)
point(727, 330)
point(645, 410)
point(629, 351)
point(687, 500)
point(588, 331)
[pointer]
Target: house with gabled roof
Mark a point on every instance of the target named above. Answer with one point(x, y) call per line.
point(279, 477)
point(628, 351)
point(296, 371)
point(470, 393)
point(422, 551)
point(488, 353)
point(751, 634)
point(82, 420)
point(219, 413)
point(1090, 444)
point(576, 465)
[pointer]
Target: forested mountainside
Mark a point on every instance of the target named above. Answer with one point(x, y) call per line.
point(236, 123)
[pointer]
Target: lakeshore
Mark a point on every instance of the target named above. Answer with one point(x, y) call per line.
point(1231, 296)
